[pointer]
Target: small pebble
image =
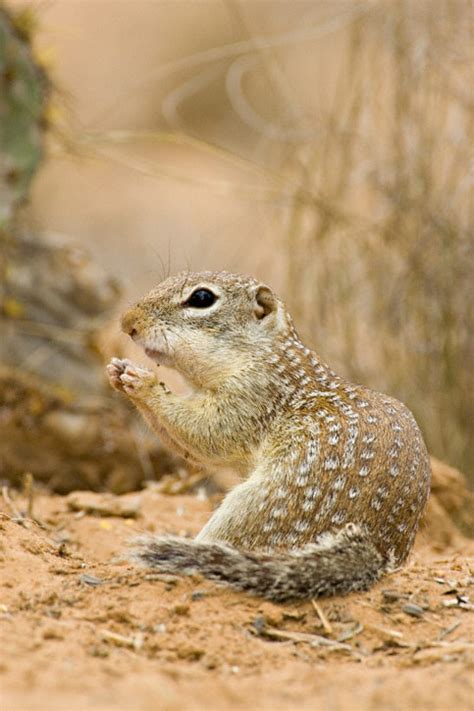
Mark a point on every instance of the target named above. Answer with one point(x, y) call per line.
point(459, 601)
point(181, 609)
point(413, 610)
point(392, 595)
point(197, 595)
point(90, 580)
point(259, 623)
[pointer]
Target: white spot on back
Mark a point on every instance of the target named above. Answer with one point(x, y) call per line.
point(313, 492)
point(301, 526)
point(339, 483)
point(394, 470)
point(376, 503)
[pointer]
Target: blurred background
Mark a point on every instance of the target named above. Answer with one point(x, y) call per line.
point(324, 146)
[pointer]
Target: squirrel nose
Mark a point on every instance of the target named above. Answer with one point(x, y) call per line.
point(128, 324)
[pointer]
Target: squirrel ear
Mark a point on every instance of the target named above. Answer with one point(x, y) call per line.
point(265, 301)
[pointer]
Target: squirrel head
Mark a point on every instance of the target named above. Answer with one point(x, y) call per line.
point(208, 325)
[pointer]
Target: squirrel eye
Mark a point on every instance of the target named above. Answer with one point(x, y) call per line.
point(201, 299)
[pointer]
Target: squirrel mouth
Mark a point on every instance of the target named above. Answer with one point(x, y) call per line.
point(157, 356)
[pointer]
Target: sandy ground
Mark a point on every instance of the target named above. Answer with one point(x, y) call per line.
point(83, 628)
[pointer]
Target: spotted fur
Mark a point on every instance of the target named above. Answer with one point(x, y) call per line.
point(319, 456)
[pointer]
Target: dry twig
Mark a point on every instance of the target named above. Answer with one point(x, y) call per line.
point(324, 620)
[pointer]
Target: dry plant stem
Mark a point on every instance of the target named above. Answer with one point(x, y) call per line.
point(313, 639)
point(29, 492)
point(324, 620)
point(391, 634)
point(452, 628)
point(11, 506)
point(351, 634)
point(135, 642)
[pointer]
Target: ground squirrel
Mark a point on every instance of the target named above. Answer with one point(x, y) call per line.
point(336, 475)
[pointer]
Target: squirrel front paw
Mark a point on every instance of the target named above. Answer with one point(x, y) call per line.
point(129, 378)
point(115, 369)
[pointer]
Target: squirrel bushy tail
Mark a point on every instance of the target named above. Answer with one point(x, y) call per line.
point(336, 563)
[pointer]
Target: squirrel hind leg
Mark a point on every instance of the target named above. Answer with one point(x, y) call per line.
point(337, 563)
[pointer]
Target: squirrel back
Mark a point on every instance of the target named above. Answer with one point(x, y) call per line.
point(337, 475)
